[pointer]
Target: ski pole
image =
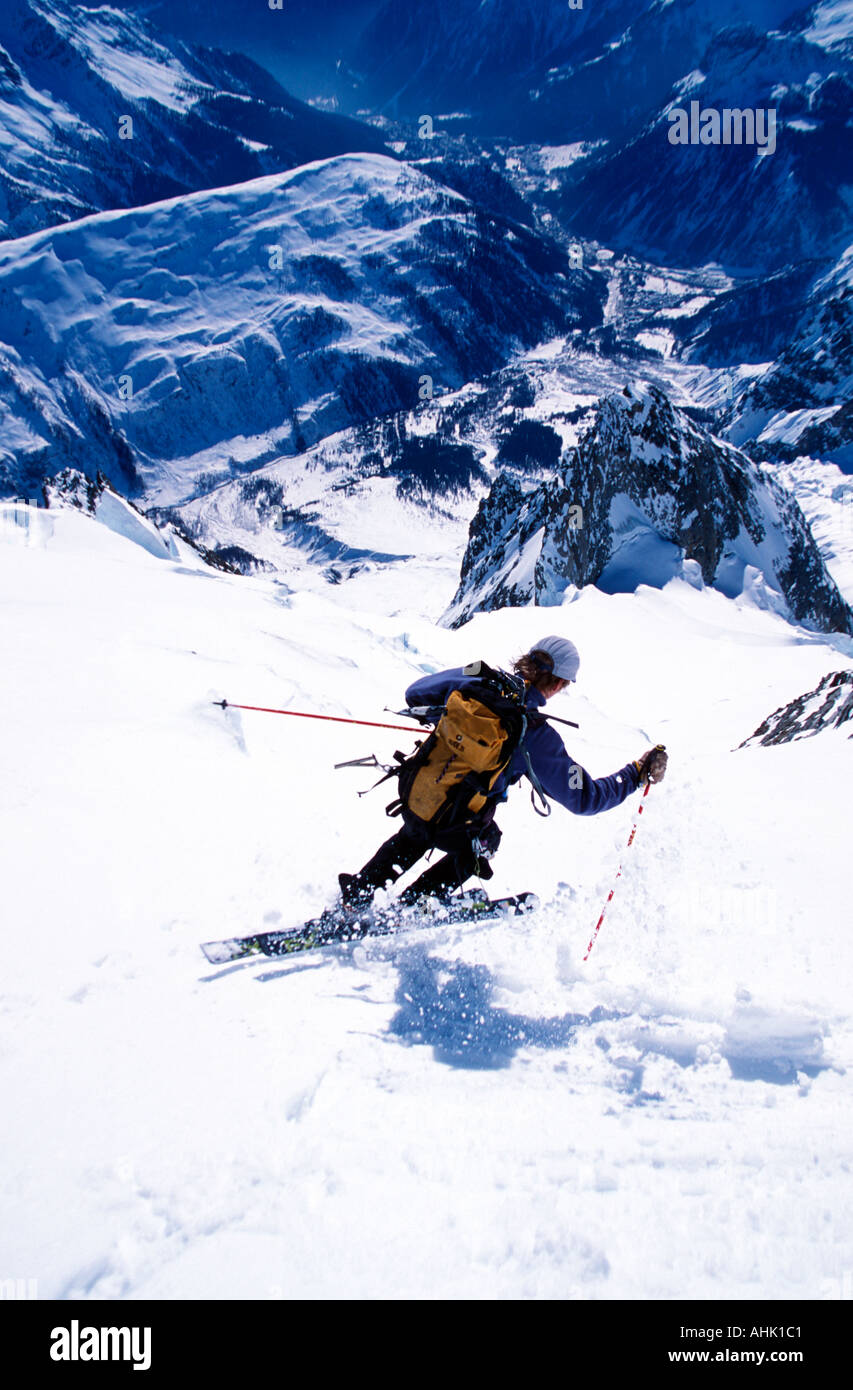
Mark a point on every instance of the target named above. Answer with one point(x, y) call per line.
point(301, 714)
point(616, 880)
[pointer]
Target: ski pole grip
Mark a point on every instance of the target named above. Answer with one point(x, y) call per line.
point(424, 714)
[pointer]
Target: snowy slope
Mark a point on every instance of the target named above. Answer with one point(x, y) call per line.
point(200, 337)
point(337, 1126)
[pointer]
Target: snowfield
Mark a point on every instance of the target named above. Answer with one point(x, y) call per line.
point(460, 1112)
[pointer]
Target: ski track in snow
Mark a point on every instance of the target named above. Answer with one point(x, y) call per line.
point(456, 1112)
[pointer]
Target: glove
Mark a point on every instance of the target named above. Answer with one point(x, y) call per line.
point(651, 767)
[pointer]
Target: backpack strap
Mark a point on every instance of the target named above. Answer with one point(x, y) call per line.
point(537, 788)
point(536, 720)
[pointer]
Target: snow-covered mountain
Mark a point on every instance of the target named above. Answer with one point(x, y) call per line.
point(620, 72)
point(742, 321)
point(71, 77)
point(749, 207)
point(542, 70)
point(71, 490)
point(469, 56)
point(176, 345)
point(398, 54)
point(783, 344)
point(349, 503)
point(546, 69)
point(352, 500)
point(307, 44)
point(802, 403)
point(647, 495)
point(825, 495)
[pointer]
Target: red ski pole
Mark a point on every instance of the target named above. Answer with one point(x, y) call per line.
point(616, 880)
point(301, 714)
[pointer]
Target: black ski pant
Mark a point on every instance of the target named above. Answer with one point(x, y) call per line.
point(465, 857)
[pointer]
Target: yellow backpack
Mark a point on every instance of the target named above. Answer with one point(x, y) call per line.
point(446, 781)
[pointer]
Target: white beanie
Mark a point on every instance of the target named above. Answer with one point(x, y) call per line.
point(564, 655)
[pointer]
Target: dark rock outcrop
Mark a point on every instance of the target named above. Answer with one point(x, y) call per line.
point(828, 706)
point(647, 496)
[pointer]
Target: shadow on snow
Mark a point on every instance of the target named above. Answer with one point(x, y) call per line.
point(447, 1005)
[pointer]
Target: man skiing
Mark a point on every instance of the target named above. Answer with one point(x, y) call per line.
point(471, 839)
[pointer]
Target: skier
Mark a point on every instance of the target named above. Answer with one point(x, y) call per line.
point(545, 670)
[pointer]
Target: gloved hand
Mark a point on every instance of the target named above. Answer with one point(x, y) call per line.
point(651, 767)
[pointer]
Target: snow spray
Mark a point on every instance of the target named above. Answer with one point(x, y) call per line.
point(616, 880)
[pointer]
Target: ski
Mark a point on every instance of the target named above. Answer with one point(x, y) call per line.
point(339, 924)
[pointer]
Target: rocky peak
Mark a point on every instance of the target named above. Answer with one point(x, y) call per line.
point(73, 490)
point(647, 496)
point(828, 706)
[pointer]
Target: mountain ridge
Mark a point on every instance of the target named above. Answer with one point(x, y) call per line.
point(240, 323)
point(71, 79)
point(647, 496)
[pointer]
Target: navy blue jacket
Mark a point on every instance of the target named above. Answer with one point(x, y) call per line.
point(557, 772)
